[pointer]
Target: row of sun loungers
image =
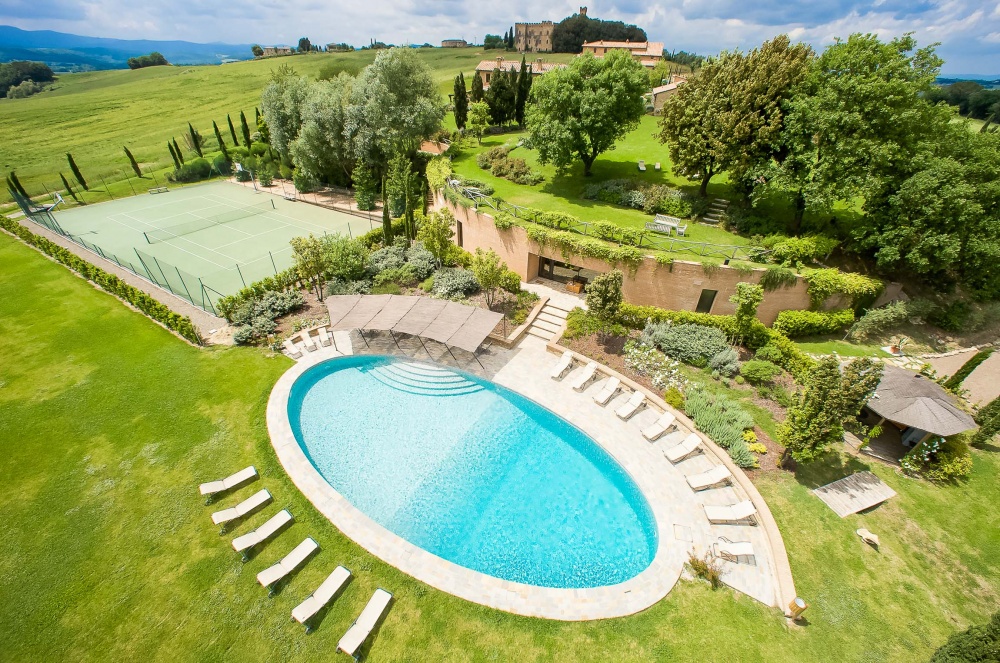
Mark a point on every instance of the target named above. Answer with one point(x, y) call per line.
point(377, 606)
point(308, 342)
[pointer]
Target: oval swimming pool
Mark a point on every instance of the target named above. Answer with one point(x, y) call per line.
point(472, 472)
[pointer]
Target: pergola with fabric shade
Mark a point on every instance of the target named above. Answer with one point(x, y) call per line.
point(452, 324)
point(917, 404)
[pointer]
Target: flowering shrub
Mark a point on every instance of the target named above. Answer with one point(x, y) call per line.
point(757, 448)
point(661, 369)
point(749, 436)
point(939, 459)
point(724, 420)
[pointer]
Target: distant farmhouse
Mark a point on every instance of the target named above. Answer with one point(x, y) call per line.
point(534, 37)
point(454, 43)
point(486, 68)
point(664, 92)
point(647, 53)
point(272, 51)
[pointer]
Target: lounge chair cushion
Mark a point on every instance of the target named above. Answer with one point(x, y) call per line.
point(365, 623)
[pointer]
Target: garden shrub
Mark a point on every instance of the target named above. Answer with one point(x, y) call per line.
point(877, 320)
point(662, 370)
point(977, 644)
point(404, 275)
point(108, 282)
point(778, 277)
point(707, 568)
point(988, 418)
point(558, 220)
point(690, 343)
point(421, 260)
point(389, 257)
point(825, 283)
point(338, 287)
point(759, 372)
point(438, 172)
point(486, 159)
point(966, 370)
point(793, 250)
point(254, 318)
point(482, 187)
point(939, 459)
point(952, 317)
point(503, 221)
point(226, 306)
point(305, 182)
point(451, 283)
point(674, 398)
point(724, 420)
point(243, 175)
point(258, 149)
point(192, 171)
point(583, 323)
point(387, 289)
point(726, 362)
point(635, 194)
point(265, 176)
point(793, 323)
point(770, 353)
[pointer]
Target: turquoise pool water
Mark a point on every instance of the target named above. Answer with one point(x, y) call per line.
point(472, 472)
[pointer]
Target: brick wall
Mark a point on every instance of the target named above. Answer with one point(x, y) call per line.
point(676, 286)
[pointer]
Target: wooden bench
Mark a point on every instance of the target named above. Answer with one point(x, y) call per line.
point(159, 189)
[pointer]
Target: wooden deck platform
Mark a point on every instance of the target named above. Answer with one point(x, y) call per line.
point(857, 492)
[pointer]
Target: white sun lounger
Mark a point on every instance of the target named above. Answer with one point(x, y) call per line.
point(306, 610)
point(632, 406)
point(292, 350)
point(366, 622)
point(211, 488)
point(688, 446)
point(609, 390)
point(242, 544)
point(742, 513)
point(293, 560)
point(716, 476)
point(564, 363)
point(659, 427)
point(733, 550)
point(642, 166)
point(585, 376)
point(307, 342)
point(324, 338)
point(249, 505)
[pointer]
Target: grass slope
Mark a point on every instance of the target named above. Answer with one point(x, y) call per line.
point(93, 114)
point(108, 423)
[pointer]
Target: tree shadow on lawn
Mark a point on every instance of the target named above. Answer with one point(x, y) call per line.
point(830, 467)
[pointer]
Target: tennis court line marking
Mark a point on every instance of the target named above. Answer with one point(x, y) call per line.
point(300, 223)
point(180, 248)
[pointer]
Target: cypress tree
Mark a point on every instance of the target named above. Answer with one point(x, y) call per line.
point(386, 222)
point(177, 151)
point(461, 102)
point(523, 88)
point(131, 160)
point(76, 172)
point(245, 128)
point(195, 140)
point(477, 93)
point(173, 156)
point(69, 189)
point(510, 39)
point(16, 184)
point(257, 117)
point(222, 143)
point(232, 130)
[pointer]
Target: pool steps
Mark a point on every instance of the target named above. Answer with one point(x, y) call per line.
point(414, 378)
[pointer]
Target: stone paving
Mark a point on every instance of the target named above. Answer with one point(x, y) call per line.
point(678, 511)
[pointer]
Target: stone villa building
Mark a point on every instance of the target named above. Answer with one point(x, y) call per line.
point(647, 53)
point(486, 68)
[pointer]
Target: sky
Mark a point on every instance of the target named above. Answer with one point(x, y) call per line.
point(968, 30)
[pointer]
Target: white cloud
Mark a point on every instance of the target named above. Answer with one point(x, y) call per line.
point(968, 29)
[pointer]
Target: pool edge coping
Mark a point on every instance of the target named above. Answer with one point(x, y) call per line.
point(634, 595)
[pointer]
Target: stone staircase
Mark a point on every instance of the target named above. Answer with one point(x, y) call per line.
point(423, 379)
point(716, 209)
point(549, 321)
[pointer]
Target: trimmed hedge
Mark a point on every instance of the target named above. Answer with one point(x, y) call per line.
point(109, 282)
point(227, 306)
point(959, 377)
point(812, 323)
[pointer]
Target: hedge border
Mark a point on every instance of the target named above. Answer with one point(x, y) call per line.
point(143, 302)
point(966, 370)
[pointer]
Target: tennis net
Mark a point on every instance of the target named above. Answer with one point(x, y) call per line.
point(181, 229)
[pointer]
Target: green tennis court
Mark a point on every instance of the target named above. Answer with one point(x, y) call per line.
point(205, 241)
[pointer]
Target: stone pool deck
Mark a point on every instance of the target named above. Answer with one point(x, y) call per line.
point(678, 511)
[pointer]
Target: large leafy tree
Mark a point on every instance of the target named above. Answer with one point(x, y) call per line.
point(282, 102)
point(395, 104)
point(580, 112)
point(730, 116)
point(855, 122)
point(321, 149)
point(479, 120)
point(312, 260)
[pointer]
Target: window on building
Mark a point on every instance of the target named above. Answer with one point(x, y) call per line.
point(706, 300)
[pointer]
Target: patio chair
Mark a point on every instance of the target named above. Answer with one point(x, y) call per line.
point(681, 230)
point(637, 400)
point(741, 513)
point(642, 166)
point(307, 342)
point(212, 488)
point(565, 362)
point(324, 338)
point(869, 538)
point(689, 446)
point(656, 166)
point(292, 350)
point(584, 378)
point(243, 544)
point(732, 551)
point(609, 390)
point(270, 576)
point(306, 610)
point(366, 622)
point(246, 507)
point(717, 476)
point(653, 431)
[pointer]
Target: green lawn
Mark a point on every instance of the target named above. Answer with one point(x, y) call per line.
point(828, 345)
point(562, 192)
point(108, 423)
